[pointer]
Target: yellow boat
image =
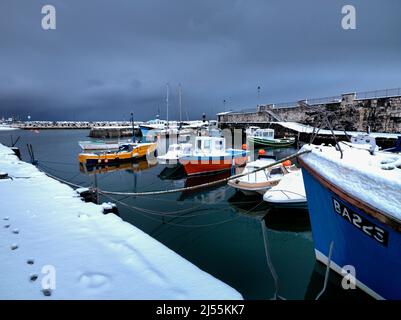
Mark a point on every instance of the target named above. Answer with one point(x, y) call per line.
point(126, 152)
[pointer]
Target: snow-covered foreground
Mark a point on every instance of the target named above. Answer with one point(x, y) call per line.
point(46, 228)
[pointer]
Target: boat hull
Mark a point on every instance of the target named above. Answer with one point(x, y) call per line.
point(360, 237)
point(271, 143)
point(201, 165)
point(252, 188)
point(302, 205)
point(92, 159)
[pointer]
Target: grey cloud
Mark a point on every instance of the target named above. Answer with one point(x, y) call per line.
point(108, 57)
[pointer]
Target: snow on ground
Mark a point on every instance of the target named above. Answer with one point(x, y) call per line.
point(374, 179)
point(303, 128)
point(95, 256)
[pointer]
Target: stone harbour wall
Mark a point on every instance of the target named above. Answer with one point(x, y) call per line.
point(349, 113)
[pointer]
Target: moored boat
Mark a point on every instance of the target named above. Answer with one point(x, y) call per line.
point(101, 145)
point(127, 152)
point(174, 153)
point(265, 137)
point(354, 203)
point(288, 193)
point(260, 181)
point(210, 155)
point(153, 126)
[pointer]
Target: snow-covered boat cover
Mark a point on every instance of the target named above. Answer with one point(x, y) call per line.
point(374, 179)
point(95, 256)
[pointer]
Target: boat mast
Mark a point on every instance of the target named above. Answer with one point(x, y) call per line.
point(167, 102)
point(133, 127)
point(180, 99)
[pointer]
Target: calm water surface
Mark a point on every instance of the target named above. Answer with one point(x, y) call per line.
point(217, 229)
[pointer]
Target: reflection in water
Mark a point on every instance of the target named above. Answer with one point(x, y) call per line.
point(208, 195)
point(288, 220)
point(249, 205)
point(172, 173)
point(130, 167)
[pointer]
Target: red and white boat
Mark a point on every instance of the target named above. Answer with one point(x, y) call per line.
point(210, 155)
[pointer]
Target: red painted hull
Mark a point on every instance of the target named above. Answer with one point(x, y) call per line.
point(199, 167)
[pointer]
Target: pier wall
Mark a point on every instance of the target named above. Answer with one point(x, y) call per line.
point(351, 111)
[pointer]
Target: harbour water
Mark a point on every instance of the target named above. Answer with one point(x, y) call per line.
point(217, 229)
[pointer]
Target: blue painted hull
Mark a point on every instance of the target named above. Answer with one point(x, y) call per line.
point(144, 130)
point(377, 263)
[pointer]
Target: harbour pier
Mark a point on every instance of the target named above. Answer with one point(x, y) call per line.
point(350, 113)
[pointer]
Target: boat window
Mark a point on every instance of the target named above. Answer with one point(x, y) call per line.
point(276, 171)
point(199, 146)
point(207, 144)
point(219, 145)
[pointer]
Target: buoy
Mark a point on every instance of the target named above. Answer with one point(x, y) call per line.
point(244, 146)
point(262, 152)
point(287, 163)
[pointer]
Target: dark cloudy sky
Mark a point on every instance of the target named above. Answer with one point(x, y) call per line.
point(107, 58)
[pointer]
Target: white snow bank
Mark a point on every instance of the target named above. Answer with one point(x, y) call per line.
point(95, 256)
point(367, 177)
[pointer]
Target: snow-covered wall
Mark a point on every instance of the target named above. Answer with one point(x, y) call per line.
point(49, 237)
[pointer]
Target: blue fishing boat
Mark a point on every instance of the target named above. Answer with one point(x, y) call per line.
point(354, 203)
point(155, 125)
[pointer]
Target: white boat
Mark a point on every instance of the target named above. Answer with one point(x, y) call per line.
point(289, 193)
point(102, 145)
point(262, 180)
point(174, 153)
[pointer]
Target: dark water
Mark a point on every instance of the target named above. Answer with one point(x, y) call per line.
point(217, 229)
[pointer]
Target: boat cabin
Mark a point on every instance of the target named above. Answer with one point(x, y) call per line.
point(156, 122)
point(209, 144)
point(267, 134)
point(180, 148)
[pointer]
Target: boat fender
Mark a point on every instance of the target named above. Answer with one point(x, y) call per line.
point(262, 152)
point(287, 163)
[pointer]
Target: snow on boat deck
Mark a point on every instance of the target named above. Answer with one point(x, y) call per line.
point(303, 128)
point(96, 256)
point(374, 179)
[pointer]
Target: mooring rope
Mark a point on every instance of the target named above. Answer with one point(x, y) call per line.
point(208, 184)
point(204, 185)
